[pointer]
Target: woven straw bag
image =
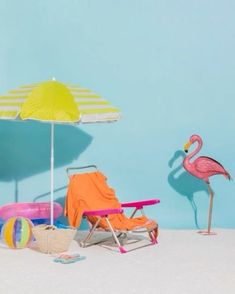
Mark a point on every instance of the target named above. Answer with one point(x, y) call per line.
point(50, 239)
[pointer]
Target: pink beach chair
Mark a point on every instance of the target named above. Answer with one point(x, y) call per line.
point(90, 197)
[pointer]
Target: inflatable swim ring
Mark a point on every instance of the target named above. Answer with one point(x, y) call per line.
point(30, 210)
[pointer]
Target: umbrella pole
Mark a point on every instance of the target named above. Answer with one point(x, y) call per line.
point(52, 174)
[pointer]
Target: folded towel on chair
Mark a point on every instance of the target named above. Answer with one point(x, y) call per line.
point(90, 191)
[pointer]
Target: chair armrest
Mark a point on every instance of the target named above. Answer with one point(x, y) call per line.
point(140, 204)
point(102, 212)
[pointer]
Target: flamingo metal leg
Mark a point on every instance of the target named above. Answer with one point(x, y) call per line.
point(208, 232)
point(210, 208)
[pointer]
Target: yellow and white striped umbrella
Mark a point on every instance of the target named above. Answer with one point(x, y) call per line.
point(56, 102)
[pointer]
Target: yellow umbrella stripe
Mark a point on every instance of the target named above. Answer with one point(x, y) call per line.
point(94, 100)
point(88, 95)
point(25, 95)
point(98, 110)
point(75, 90)
point(78, 98)
point(19, 91)
point(83, 90)
point(10, 104)
point(8, 114)
point(92, 103)
point(13, 97)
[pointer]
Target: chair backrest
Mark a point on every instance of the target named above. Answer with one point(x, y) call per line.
point(88, 191)
point(93, 190)
point(81, 169)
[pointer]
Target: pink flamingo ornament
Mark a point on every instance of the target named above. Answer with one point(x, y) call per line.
point(203, 168)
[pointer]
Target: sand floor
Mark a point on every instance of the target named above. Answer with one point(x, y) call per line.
point(183, 262)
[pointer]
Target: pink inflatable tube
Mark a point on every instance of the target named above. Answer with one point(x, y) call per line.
point(30, 210)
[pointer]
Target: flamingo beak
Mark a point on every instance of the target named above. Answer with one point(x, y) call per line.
point(186, 146)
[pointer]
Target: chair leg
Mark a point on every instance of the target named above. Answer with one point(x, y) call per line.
point(142, 211)
point(153, 238)
point(121, 248)
point(136, 209)
point(121, 237)
point(83, 243)
point(134, 212)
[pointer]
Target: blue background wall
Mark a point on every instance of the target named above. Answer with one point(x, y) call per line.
point(168, 65)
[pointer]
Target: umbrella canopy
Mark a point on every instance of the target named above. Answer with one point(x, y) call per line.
point(56, 102)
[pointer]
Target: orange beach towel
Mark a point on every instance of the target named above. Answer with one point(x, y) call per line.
point(90, 191)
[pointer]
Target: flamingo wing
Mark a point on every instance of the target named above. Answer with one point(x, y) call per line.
point(207, 165)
